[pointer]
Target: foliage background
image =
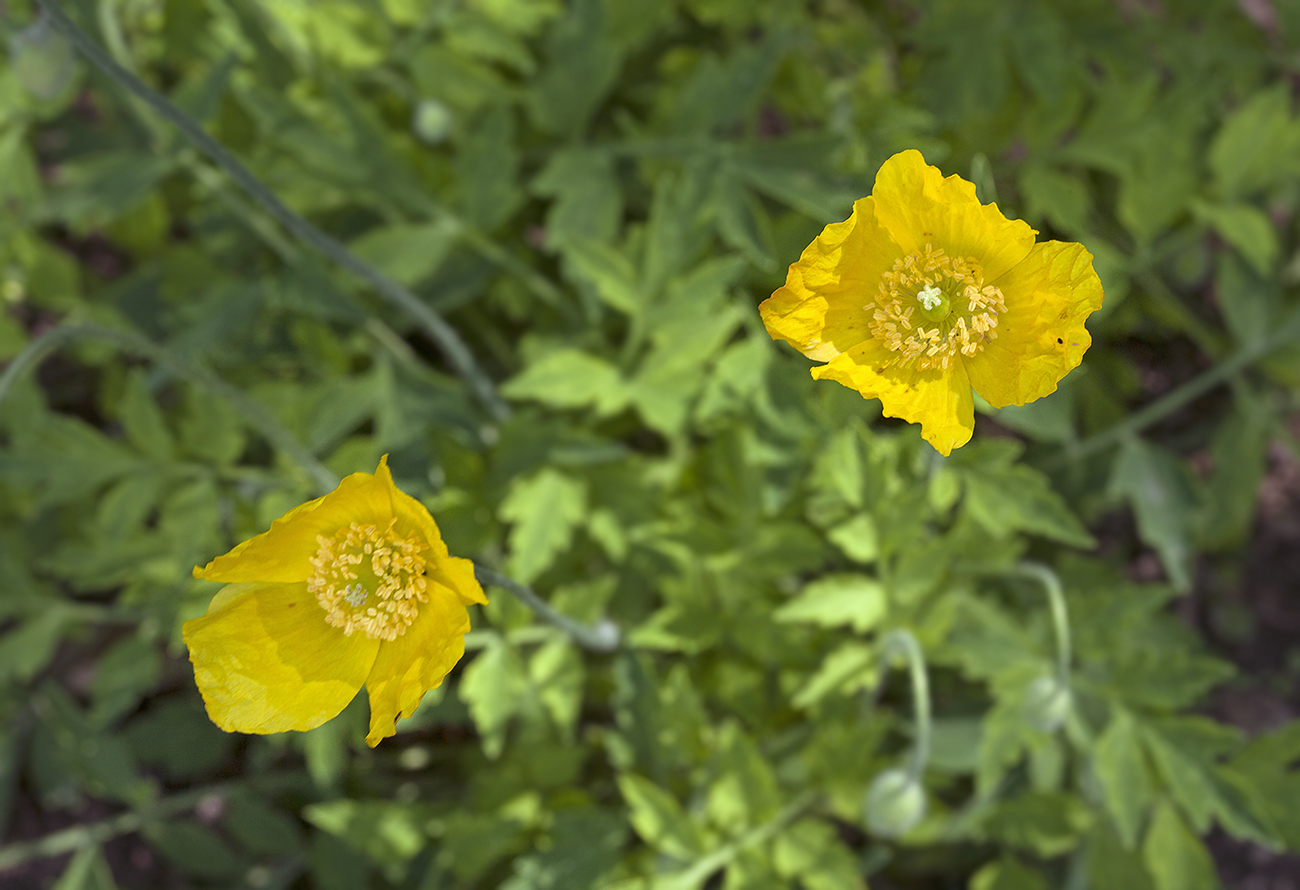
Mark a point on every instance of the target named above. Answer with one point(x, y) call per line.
point(597, 194)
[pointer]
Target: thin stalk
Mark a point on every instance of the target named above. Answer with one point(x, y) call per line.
point(69, 840)
point(257, 418)
point(903, 641)
point(603, 637)
point(1060, 615)
point(1171, 401)
point(443, 335)
point(700, 871)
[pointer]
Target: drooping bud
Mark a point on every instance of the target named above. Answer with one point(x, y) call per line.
point(1047, 703)
point(895, 804)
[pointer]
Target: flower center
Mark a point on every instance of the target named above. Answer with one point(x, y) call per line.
point(369, 579)
point(950, 294)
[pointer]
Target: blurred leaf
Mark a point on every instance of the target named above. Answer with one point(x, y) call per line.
point(588, 205)
point(659, 819)
point(568, 378)
point(87, 870)
point(1246, 228)
point(194, 850)
point(1174, 856)
point(1257, 146)
point(810, 852)
point(1164, 501)
point(557, 672)
point(838, 600)
point(1007, 874)
point(1121, 767)
point(407, 253)
point(544, 509)
point(261, 828)
point(124, 675)
point(493, 685)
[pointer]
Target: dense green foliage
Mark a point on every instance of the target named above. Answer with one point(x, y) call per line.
point(596, 194)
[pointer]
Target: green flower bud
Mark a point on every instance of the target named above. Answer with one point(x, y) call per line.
point(431, 121)
point(1047, 704)
point(895, 804)
point(43, 60)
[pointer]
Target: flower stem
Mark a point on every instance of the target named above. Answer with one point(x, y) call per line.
point(903, 641)
point(257, 418)
point(77, 837)
point(442, 334)
point(603, 637)
point(1171, 401)
point(1060, 615)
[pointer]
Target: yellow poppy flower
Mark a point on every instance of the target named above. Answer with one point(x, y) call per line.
point(354, 588)
point(924, 293)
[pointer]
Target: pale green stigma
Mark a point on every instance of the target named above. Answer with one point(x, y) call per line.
point(355, 594)
point(930, 297)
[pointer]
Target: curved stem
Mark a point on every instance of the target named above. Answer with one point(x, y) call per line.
point(257, 418)
point(903, 641)
point(603, 637)
point(1060, 615)
point(443, 335)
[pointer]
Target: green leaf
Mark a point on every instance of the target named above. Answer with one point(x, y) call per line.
point(857, 538)
point(494, 686)
point(1164, 500)
point(1057, 197)
point(195, 849)
point(1122, 769)
point(387, 832)
point(569, 378)
point(836, 601)
point(261, 828)
point(557, 673)
point(1045, 823)
point(812, 852)
point(407, 253)
point(124, 675)
point(1257, 146)
point(28, 648)
point(581, 67)
point(545, 509)
point(143, 420)
point(1007, 874)
point(487, 167)
point(87, 870)
point(608, 270)
point(659, 819)
point(847, 669)
point(742, 787)
point(588, 205)
point(1174, 856)
point(1019, 498)
point(1245, 227)
point(1109, 864)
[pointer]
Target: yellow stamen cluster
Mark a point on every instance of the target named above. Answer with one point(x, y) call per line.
point(917, 285)
point(369, 579)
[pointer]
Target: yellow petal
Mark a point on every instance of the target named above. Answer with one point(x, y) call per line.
point(417, 661)
point(266, 661)
point(918, 207)
point(1041, 336)
point(284, 552)
point(458, 575)
point(939, 400)
point(819, 311)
